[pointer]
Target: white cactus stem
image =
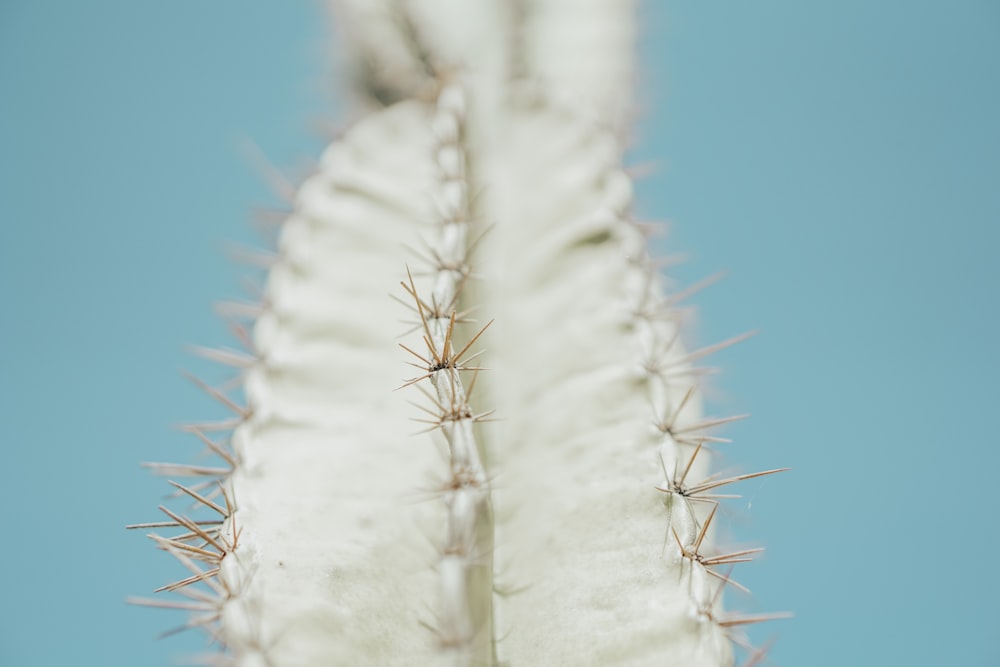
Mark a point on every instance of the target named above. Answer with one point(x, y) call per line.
point(483, 186)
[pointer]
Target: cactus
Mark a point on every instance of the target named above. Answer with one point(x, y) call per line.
point(463, 260)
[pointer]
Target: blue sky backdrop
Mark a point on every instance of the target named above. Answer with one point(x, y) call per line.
point(840, 160)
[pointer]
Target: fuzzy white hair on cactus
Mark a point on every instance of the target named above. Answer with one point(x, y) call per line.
point(555, 506)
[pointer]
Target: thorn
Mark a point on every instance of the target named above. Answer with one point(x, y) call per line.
point(686, 293)
point(200, 498)
point(184, 470)
point(268, 216)
point(172, 548)
point(196, 529)
point(226, 357)
point(758, 655)
point(221, 425)
point(263, 259)
point(170, 604)
point(279, 183)
point(192, 551)
point(215, 447)
point(169, 524)
point(242, 412)
point(712, 349)
point(708, 486)
point(734, 620)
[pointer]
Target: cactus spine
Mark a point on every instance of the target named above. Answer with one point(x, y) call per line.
point(483, 185)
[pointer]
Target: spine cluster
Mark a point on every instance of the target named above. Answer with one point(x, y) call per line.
point(204, 536)
point(690, 494)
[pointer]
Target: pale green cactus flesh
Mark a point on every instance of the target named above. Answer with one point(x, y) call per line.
point(463, 265)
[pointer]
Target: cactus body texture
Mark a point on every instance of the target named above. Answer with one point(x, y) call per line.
point(555, 507)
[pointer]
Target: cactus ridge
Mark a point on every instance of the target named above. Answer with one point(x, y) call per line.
point(463, 622)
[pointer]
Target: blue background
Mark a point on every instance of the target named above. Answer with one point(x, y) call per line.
point(840, 160)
